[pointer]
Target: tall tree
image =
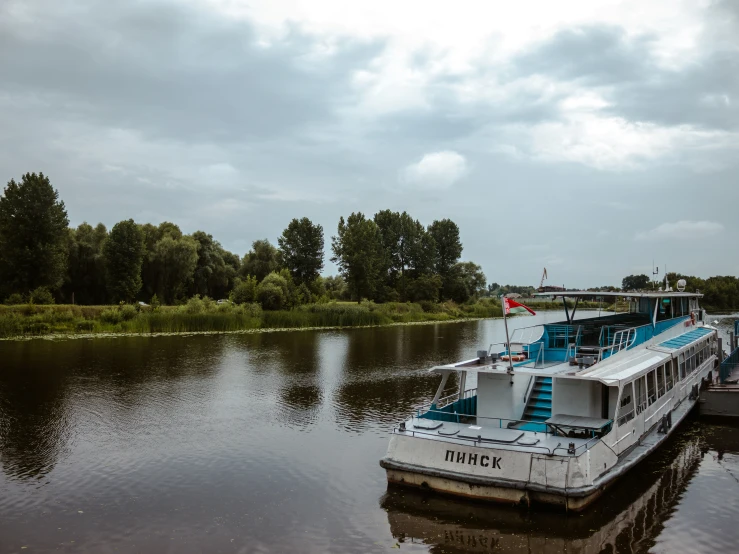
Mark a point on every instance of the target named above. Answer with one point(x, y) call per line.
point(153, 269)
point(466, 281)
point(635, 282)
point(86, 270)
point(301, 246)
point(448, 251)
point(176, 259)
point(261, 260)
point(233, 263)
point(358, 251)
point(407, 248)
point(211, 275)
point(123, 254)
point(33, 235)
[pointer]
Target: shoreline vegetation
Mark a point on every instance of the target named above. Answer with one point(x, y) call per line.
point(203, 315)
point(150, 279)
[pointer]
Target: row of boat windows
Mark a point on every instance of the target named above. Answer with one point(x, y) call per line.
point(648, 388)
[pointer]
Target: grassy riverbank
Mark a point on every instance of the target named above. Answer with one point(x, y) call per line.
point(204, 315)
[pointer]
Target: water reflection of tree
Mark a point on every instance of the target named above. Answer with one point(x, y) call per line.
point(44, 386)
point(291, 363)
point(627, 519)
point(33, 426)
point(385, 373)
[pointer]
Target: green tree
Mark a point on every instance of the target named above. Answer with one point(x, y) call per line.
point(123, 254)
point(41, 295)
point(33, 234)
point(211, 275)
point(176, 260)
point(635, 282)
point(232, 263)
point(152, 269)
point(301, 247)
point(448, 250)
point(245, 290)
point(261, 260)
point(273, 292)
point(85, 282)
point(466, 281)
point(336, 288)
point(358, 252)
point(407, 248)
point(424, 287)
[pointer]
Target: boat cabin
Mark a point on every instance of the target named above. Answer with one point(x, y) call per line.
point(576, 378)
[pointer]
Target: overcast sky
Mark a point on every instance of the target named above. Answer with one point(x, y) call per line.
point(585, 136)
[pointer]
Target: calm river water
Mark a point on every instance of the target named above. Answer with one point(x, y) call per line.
point(270, 443)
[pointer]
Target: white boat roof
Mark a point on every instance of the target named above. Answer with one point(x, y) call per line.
point(630, 294)
point(622, 367)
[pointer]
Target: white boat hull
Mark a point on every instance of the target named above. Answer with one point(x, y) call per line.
point(516, 476)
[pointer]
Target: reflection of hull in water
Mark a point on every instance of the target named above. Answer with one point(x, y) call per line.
point(627, 521)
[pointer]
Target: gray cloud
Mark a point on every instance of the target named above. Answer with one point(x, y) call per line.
point(173, 71)
point(160, 111)
point(606, 59)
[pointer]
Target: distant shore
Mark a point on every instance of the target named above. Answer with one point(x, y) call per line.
point(203, 316)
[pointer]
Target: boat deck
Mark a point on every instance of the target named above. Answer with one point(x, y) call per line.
point(493, 435)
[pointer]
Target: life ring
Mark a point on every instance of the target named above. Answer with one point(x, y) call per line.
point(692, 318)
point(514, 358)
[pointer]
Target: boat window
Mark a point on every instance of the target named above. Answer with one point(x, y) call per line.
point(682, 366)
point(660, 381)
point(651, 396)
point(668, 377)
point(675, 374)
point(640, 395)
point(626, 406)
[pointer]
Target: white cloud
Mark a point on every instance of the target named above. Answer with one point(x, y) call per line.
point(437, 170)
point(614, 143)
point(681, 230)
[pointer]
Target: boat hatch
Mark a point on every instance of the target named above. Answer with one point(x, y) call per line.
point(490, 434)
point(578, 426)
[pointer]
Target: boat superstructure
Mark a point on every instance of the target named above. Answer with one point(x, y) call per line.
point(583, 402)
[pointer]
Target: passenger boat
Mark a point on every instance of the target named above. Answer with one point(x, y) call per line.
point(588, 400)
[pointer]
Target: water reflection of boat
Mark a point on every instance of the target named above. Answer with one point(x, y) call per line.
point(590, 400)
point(629, 521)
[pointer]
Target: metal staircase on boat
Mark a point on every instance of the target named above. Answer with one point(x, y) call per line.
point(539, 405)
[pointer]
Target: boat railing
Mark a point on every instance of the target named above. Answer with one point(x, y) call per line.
point(445, 401)
point(502, 423)
point(529, 388)
point(622, 340)
point(528, 335)
point(728, 365)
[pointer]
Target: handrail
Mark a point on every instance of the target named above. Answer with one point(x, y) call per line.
point(541, 351)
point(529, 388)
point(446, 400)
point(657, 410)
point(517, 334)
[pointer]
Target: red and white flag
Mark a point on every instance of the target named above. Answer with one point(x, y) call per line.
point(513, 307)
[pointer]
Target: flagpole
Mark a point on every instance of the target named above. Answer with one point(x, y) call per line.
point(507, 338)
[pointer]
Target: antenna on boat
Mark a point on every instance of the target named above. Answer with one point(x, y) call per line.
point(655, 271)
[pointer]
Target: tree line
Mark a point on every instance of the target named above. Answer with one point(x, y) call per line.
point(390, 257)
point(720, 292)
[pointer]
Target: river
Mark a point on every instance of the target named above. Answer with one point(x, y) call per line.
point(270, 443)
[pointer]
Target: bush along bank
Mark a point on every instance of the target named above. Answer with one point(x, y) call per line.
point(205, 315)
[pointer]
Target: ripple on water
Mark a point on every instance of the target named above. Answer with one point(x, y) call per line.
point(271, 444)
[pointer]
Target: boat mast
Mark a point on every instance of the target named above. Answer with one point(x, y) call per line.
point(507, 337)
